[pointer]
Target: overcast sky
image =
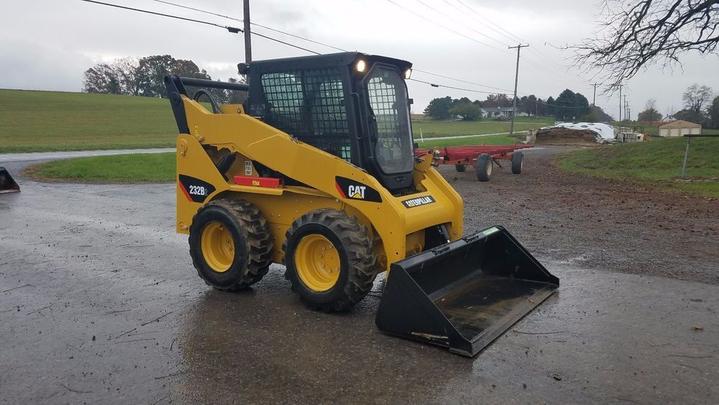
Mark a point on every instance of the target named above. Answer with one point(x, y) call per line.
point(47, 44)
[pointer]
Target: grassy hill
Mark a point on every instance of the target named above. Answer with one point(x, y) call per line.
point(50, 121)
point(657, 162)
point(33, 121)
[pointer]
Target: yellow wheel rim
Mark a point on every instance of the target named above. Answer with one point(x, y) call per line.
point(218, 246)
point(317, 262)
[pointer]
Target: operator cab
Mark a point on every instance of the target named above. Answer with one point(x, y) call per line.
point(352, 105)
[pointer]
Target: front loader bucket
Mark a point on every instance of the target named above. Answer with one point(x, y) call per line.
point(7, 184)
point(464, 294)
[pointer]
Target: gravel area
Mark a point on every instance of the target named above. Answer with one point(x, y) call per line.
point(100, 304)
point(596, 223)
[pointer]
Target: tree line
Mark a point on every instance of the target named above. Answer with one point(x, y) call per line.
point(568, 106)
point(145, 77)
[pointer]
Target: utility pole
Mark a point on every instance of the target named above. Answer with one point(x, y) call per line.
point(516, 78)
point(594, 97)
point(620, 102)
point(626, 108)
point(246, 23)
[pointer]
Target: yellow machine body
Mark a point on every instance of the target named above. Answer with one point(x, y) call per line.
point(399, 229)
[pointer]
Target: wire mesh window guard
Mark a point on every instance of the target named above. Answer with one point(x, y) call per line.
point(309, 105)
point(388, 100)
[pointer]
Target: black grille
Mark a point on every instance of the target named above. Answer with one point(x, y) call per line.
point(309, 105)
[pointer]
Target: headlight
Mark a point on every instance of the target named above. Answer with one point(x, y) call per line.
point(361, 66)
point(408, 74)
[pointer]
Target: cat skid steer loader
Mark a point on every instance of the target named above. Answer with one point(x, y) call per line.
point(316, 170)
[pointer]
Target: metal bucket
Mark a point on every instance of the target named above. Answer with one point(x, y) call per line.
point(464, 294)
point(7, 183)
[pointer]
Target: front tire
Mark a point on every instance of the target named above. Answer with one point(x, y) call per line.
point(230, 244)
point(330, 260)
point(517, 162)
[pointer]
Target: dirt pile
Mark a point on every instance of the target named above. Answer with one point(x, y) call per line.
point(564, 136)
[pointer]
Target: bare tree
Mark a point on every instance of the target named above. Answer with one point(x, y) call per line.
point(696, 96)
point(637, 32)
point(650, 112)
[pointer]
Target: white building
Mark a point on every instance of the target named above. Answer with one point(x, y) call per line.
point(497, 112)
point(679, 128)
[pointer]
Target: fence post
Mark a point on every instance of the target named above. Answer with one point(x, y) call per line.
point(686, 157)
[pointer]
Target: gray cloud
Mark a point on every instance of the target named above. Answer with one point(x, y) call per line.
point(47, 44)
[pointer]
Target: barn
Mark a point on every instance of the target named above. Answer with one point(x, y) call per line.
point(679, 128)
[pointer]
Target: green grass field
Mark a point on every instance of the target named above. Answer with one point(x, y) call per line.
point(657, 162)
point(36, 121)
point(32, 121)
point(140, 168)
point(432, 128)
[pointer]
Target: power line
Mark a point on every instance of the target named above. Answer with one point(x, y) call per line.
point(513, 37)
point(253, 23)
point(459, 80)
point(441, 25)
point(237, 30)
point(498, 29)
point(231, 29)
point(452, 87)
point(471, 29)
point(175, 4)
point(285, 43)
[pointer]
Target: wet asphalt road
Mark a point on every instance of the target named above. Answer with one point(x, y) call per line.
point(99, 303)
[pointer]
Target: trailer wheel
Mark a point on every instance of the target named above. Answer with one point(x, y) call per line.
point(483, 167)
point(330, 260)
point(230, 244)
point(460, 167)
point(517, 162)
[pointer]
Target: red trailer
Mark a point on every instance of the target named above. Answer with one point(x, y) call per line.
point(481, 157)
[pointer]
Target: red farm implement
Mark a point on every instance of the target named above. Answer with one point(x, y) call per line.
point(481, 157)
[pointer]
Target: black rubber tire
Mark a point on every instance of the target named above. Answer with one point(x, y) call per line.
point(517, 162)
point(354, 244)
point(460, 168)
point(253, 243)
point(483, 167)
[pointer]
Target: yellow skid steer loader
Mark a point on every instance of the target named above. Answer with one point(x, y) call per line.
point(316, 170)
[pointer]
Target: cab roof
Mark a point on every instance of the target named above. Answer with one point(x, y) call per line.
point(321, 61)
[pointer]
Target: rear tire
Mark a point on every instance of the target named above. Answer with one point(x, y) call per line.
point(460, 167)
point(517, 162)
point(230, 244)
point(330, 260)
point(483, 167)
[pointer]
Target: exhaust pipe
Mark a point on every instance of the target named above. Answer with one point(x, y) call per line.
point(465, 294)
point(7, 183)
